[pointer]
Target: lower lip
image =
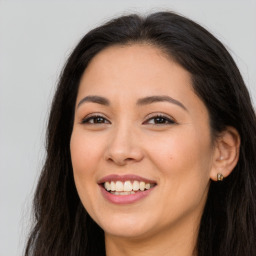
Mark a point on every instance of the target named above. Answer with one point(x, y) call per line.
point(125, 199)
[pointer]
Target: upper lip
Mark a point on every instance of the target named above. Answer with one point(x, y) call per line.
point(130, 177)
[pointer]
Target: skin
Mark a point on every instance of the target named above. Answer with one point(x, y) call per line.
point(179, 155)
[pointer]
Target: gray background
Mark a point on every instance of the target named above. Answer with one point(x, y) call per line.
point(35, 39)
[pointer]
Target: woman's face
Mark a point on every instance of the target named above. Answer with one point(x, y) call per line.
point(140, 131)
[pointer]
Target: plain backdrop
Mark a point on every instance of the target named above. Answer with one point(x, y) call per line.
point(36, 37)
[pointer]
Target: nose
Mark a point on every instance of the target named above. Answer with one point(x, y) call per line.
point(124, 146)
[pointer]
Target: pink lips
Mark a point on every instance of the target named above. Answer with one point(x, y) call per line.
point(124, 199)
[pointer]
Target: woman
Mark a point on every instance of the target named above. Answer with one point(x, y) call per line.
point(150, 148)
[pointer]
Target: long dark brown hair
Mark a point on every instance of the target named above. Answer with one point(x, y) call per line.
point(228, 225)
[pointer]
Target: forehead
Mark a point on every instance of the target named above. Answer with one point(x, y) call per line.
point(131, 57)
point(137, 65)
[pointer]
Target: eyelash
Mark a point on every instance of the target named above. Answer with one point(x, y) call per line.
point(94, 117)
point(164, 120)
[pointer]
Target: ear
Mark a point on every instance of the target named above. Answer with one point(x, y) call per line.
point(226, 153)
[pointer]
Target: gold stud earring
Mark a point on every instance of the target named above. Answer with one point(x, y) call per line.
point(220, 177)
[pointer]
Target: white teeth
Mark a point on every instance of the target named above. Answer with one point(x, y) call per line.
point(119, 186)
point(142, 186)
point(135, 185)
point(122, 188)
point(122, 193)
point(147, 186)
point(113, 186)
point(107, 186)
point(127, 186)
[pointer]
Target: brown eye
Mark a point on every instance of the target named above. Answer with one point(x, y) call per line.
point(160, 120)
point(95, 120)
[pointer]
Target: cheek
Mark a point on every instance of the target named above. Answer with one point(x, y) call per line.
point(84, 153)
point(84, 156)
point(182, 155)
point(184, 163)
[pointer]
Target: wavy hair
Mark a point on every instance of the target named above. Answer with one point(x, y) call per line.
point(228, 225)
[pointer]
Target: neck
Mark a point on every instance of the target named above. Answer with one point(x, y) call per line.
point(174, 241)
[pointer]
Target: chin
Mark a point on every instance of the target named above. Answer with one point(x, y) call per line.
point(123, 225)
point(127, 232)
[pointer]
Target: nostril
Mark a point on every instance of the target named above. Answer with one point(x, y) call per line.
point(122, 151)
point(119, 161)
point(129, 159)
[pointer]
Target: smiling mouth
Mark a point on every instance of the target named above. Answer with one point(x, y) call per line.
point(127, 187)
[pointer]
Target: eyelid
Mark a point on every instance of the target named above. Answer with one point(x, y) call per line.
point(165, 116)
point(94, 115)
point(168, 118)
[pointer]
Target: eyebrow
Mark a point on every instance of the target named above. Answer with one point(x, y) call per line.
point(161, 98)
point(94, 99)
point(143, 101)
